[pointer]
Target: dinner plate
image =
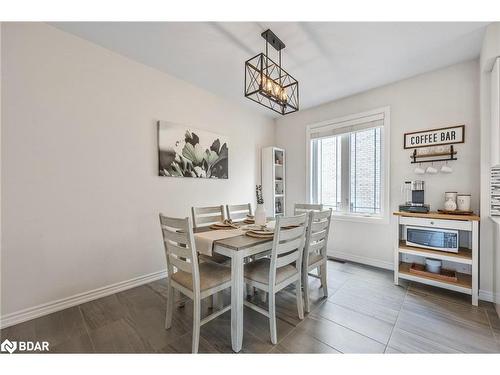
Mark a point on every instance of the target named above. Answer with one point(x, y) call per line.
point(257, 235)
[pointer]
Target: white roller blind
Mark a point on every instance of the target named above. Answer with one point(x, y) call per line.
point(349, 126)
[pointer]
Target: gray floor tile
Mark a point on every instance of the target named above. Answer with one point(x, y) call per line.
point(374, 328)
point(75, 344)
point(406, 342)
point(426, 303)
point(300, 342)
point(468, 337)
point(339, 337)
point(369, 307)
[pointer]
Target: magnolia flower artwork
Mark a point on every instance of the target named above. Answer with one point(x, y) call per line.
point(187, 152)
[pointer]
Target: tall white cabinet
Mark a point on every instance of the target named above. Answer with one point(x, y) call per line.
point(495, 114)
point(273, 180)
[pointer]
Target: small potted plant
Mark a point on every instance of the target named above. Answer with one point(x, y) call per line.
point(260, 212)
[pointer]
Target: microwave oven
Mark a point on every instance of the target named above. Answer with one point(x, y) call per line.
point(432, 238)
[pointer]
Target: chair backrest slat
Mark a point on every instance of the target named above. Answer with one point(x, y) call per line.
point(287, 259)
point(318, 230)
point(314, 247)
point(179, 251)
point(290, 234)
point(180, 248)
point(180, 264)
point(206, 216)
point(306, 207)
point(285, 247)
point(175, 237)
point(318, 226)
point(316, 236)
point(288, 243)
point(238, 212)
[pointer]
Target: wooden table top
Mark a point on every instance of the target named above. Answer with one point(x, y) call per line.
point(438, 215)
point(237, 242)
point(242, 242)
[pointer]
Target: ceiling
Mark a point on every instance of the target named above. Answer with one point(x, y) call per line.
point(329, 59)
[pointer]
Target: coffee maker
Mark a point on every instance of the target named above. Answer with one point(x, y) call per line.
point(414, 197)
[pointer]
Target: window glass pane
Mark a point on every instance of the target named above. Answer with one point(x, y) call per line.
point(365, 171)
point(330, 173)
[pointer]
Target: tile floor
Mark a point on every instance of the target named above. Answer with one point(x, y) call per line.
point(365, 313)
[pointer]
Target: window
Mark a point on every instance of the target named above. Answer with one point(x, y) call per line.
point(346, 164)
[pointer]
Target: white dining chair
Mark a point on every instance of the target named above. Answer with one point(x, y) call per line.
point(185, 274)
point(238, 212)
point(318, 229)
point(300, 208)
point(206, 216)
point(203, 217)
point(283, 268)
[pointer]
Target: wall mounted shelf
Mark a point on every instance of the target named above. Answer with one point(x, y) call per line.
point(431, 157)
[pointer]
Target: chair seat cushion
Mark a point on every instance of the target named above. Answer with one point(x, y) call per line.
point(314, 258)
point(259, 271)
point(211, 275)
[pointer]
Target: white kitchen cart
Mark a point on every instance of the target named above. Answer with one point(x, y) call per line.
point(466, 258)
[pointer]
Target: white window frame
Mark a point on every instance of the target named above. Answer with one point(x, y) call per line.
point(385, 166)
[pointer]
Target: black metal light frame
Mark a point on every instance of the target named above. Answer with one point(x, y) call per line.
point(261, 70)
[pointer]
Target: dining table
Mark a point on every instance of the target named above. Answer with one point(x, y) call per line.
point(238, 248)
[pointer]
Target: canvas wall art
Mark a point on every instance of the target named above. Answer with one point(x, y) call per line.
point(187, 152)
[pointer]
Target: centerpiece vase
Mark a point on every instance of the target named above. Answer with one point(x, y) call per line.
point(260, 215)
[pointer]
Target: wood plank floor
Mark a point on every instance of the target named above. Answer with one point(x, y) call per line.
point(365, 313)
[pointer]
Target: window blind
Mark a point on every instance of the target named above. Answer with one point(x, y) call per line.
point(349, 126)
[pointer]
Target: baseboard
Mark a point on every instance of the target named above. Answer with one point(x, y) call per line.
point(489, 296)
point(486, 295)
point(361, 259)
point(63, 303)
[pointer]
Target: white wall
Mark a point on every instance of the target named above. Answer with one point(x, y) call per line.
point(80, 191)
point(444, 97)
point(490, 249)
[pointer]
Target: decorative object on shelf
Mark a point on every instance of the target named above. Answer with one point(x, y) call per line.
point(450, 205)
point(267, 83)
point(463, 202)
point(433, 265)
point(444, 275)
point(187, 152)
point(260, 211)
point(450, 201)
point(431, 157)
point(435, 137)
point(451, 195)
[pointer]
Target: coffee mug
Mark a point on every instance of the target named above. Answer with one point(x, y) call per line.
point(446, 169)
point(419, 170)
point(431, 170)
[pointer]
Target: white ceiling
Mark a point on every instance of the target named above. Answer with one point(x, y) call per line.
point(329, 59)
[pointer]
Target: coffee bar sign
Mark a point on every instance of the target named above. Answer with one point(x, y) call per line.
point(435, 137)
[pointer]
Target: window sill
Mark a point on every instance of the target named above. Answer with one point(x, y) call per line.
point(360, 218)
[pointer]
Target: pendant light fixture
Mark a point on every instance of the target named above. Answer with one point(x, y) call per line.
point(267, 83)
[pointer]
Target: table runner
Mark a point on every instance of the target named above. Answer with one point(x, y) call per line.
point(205, 240)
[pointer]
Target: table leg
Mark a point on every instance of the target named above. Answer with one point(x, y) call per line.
point(237, 286)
